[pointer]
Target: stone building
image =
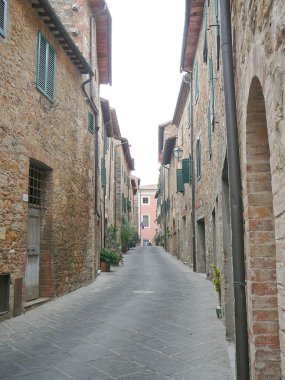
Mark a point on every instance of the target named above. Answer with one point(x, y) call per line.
point(123, 166)
point(50, 118)
point(258, 65)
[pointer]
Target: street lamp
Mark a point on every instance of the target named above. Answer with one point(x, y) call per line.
point(178, 153)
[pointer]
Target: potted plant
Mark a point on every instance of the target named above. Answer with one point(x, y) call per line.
point(108, 257)
point(217, 284)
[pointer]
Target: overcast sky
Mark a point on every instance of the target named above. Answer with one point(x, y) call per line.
point(146, 50)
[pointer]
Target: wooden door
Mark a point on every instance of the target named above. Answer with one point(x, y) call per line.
point(33, 256)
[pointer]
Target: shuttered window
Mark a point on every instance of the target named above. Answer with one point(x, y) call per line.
point(205, 47)
point(212, 90)
point(186, 168)
point(209, 130)
point(218, 36)
point(3, 16)
point(179, 180)
point(198, 159)
point(103, 173)
point(196, 82)
point(91, 122)
point(45, 67)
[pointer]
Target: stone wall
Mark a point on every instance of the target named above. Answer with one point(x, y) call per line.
point(258, 29)
point(55, 134)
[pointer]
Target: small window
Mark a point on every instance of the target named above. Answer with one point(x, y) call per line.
point(145, 221)
point(3, 15)
point(37, 185)
point(198, 154)
point(45, 67)
point(91, 122)
point(205, 48)
point(145, 200)
point(179, 181)
point(196, 82)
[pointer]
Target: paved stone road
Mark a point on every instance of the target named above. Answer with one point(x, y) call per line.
point(149, 319)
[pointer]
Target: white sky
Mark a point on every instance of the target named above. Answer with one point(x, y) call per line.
point(146, 50)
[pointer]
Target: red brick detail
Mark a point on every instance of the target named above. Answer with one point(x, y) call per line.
point(46, 278)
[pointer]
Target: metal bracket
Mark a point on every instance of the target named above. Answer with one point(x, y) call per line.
point(239, 283)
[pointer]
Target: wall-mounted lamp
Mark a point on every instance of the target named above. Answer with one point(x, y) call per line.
point(178, 153)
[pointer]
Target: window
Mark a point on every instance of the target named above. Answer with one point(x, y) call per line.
point(186, 170)
point(209, 129)
point(218, 37)
point(45, 67)
point(145, 221)
point(179, 181)
point(145, 200)
point(91, 122)
point(205, 48)
point(3, 15)
point(198, 154)
point(37, 185)
point(196, 82)
point(212, 90)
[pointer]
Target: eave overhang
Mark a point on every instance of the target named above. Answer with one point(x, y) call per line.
point(49, 17)
point(103, 21)
point(127, 154)
point(168, 149)
point(192, 27)
point(181, 102)
point(107, 117)
point(115, 124)
point(161, 128)
point(134, 186)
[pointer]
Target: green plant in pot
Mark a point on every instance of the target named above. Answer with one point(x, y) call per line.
point(217, 284)
point(109, 257)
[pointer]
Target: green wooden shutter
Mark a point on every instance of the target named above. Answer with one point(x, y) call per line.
point(50, 73)
point(190, 113)
point(190, 169)
point(198, 159)
point(212, 90)
point(209, 130)
point(41, 67)
point(205, 48)
point(218, 36)
point(45, 67)
point(3, 17)
point(196, 81)
point(186, 170)
point(179, 179)
point(91, 122)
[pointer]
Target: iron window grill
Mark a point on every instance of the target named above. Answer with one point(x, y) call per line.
point(37, 185)
point(4, 292)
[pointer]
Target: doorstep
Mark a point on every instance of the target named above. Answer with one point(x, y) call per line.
point(34, 303)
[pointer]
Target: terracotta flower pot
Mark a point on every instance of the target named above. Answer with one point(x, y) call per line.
point(105, 267)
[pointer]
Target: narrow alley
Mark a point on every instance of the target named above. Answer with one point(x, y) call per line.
point(123, 326)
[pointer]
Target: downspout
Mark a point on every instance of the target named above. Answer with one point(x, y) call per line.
point(242, 357)
point(193, 216)
point(92, 96)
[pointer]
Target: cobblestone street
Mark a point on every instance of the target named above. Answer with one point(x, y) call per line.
point(151, 318)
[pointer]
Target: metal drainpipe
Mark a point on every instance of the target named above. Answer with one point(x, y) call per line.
point(193, 176)
point(96, 145)
point(164, 198)
point(242, 358)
